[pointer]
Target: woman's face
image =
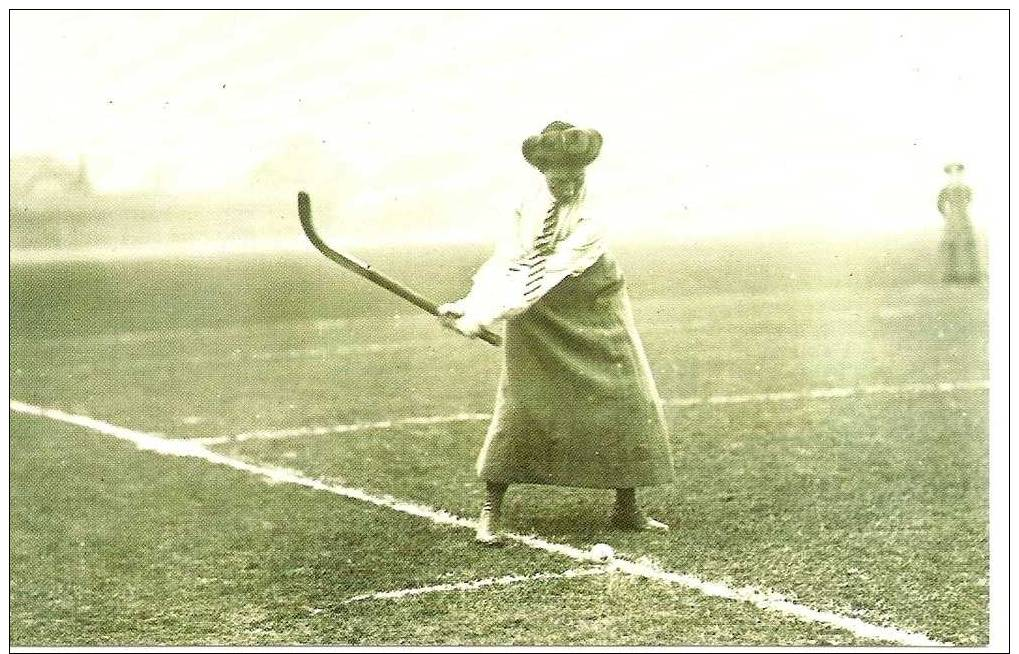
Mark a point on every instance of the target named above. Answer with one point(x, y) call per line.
point(564, 183)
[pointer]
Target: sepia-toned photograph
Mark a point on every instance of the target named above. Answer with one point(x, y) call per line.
point(524, 328)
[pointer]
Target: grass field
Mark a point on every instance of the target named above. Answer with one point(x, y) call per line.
point(817, 458)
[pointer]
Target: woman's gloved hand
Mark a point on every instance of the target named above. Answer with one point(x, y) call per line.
point(451, 316)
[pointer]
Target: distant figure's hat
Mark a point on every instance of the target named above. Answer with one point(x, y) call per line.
point(561, 145)
point(954, 168)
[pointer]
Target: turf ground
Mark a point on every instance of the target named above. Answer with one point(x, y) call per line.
point(822, 451)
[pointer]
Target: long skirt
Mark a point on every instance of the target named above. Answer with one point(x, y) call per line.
point(577, 405)
point(959, 251)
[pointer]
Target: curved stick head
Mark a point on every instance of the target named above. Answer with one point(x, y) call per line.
point(304, 206)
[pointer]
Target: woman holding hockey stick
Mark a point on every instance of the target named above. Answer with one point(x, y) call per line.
point(576, 405)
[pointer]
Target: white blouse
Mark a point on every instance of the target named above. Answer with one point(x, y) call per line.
point(532, 257)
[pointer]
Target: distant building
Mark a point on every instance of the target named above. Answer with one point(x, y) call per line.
point(37, 179)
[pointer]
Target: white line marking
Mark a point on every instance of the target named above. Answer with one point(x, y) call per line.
point(191, 448)
point(784, 396)
point(342, 429)
point(818, 393)
point(477, 584)
point(750, 595)
point(367, 348)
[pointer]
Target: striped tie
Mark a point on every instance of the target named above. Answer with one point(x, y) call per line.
point(543, 247)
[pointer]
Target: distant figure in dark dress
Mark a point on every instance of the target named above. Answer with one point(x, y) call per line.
point(958, 245)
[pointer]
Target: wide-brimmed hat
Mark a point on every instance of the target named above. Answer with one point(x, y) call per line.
point(561, 145)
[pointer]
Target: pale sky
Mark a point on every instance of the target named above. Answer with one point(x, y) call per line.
point(714, 122)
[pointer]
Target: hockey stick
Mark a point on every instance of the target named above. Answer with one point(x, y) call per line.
point(365, 270)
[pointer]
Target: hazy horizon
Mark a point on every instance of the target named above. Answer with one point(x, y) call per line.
point(408, 124)
point(798, 238)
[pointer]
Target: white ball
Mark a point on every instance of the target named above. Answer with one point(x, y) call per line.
point(602, 552)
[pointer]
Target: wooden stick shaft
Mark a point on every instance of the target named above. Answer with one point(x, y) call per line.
point(365, 270)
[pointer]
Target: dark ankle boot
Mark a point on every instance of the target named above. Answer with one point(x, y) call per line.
point(488, 522)
point(628, 517)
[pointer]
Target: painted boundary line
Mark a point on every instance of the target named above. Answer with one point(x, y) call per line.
point(813, 394)
point(477, 584)
point(767, 601)
point(821, 393)
point(341, 429)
